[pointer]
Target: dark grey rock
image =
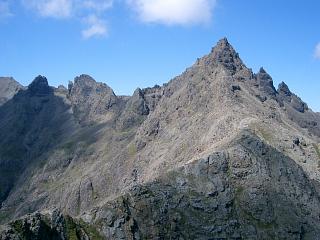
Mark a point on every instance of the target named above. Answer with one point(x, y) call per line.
point(40, 86)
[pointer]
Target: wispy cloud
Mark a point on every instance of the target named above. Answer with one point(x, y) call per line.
point(90, 12)
point(96, 27)
point(97, 5)
point(51, 8)
point(174, 12)
point(5, 9)
point(317, 51)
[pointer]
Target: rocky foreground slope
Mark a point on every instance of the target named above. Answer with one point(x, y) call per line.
point(216, 153)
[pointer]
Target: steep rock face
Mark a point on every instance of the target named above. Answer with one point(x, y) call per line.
point(265, 84)
point(298, 110)
point(31, 123)
point(247, 191)
point(8, 88)
point(91, 100)
point(215, 153)
point(225, 55)
point(40, 86)
point(286, 96)
point(141, 104)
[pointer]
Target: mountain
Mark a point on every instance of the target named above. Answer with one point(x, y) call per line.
point(216, 153)
point(8, 88)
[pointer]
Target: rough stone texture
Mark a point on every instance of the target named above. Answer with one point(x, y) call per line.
point(50, 226)
point(40, 86)
point(91, 100)
point(8, 88)
point(248, 191)
point(212, 154)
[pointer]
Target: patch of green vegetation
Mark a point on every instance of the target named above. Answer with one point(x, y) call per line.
point(239, 191)
point(76, 229)
point(71, 229)
point(266, 135)
point(246, 215)
point(68, 146)
point(90, 230)
point(4, 217)
point(124, 132)
point(17, 226)
point(50, 184)
point(132, 150)
point(316, 148)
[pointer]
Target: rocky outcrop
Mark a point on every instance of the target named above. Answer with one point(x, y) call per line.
point(223, 53)
point(91, 100)
point(286, 96)
point(8, 88)
point(265, 84)
point(50, 226)
point(297, 110)
point(40, 86)
point(141, 104)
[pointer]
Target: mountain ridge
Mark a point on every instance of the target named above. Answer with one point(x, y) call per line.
point(218, 136)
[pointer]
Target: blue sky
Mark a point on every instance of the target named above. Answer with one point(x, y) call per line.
point(139, 43)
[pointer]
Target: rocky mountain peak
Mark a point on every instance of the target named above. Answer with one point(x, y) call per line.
point(263, 75)
point(88, 86)
point(285, 95)
point(90, 98)
point(262, 71)
point(283, 89)
point(223, 53)
point(84, 79)
point(265, 82)
point(39, 86)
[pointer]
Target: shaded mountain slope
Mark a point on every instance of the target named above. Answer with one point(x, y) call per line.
point(218, 152)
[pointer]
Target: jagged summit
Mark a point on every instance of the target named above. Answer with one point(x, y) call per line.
point(226, 55)
point(86, 81)
point(84, 78)
point(284, 89)
point(90, 99)
point(39, 86)
point(223, 43)
point(262, 70)
point(262, 74)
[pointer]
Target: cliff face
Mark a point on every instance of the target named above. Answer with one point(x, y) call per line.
point(218, 152)
point(8, 88)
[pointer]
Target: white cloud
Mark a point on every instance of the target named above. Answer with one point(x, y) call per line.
point(96, 27)
point(90, 12)
point(4, 9)
point(97, 5)
point(51, 8)
point(317, 51)
point(173, 12)
point(67, 8)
